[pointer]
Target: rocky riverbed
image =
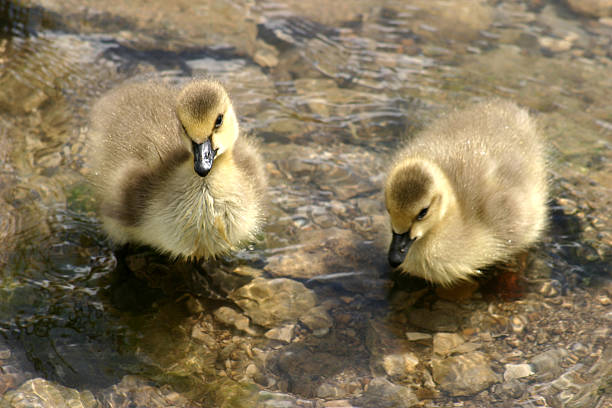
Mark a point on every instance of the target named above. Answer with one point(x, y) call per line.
point(310, 315)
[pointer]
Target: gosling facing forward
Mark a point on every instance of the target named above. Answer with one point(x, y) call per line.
point(169, 169)
point(466, 193)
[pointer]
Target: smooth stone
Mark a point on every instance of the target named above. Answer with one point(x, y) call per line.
point(514, 371)
point(436, 321)
point(265, 54)
point(547, 365)
point(137, 391)
point(382, 393)
point(400, 364)
point(317, 320)
point(283, 333)
point(417, 336)
point(462, 20)
point(464, 375)
point(230, 317)
point(39, 392)
point(272, 302)
point(592, 8)
point(445, 343)
point(306, 370)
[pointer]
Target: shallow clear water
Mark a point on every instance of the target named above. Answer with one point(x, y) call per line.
point(331, 92)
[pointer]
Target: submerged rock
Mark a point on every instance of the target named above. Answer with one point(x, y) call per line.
point(591, 8)
point(382, 393)
point(464, 375)
point(399, 365)
point(283, 333)
point(272, 302)
point(438, 320)
point(445, 343)
point(514, 371)
point(317, 320)
point(547, 365)
point(42, 393)
point(230, 317)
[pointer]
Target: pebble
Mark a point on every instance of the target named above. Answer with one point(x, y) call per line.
point(550, 288)
point(400, 364)
point(445, 343)
point(283, 333)
point(518, 323)
point(265, 54)
point(603, 299)
point(514, 371)
point(382, 393)
point(466, 374)
point(591, 8)
point(338, 404)
point(39, 392)
point(230, 317)
point(317, 320)
point(417, 336)
point(509, 389)
point(547, 365)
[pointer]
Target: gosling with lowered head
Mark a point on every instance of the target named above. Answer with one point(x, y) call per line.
point(170, 170)
point(468, 192)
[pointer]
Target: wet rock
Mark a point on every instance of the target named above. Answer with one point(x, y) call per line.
point(330, 390)
point(42, 393)
point(547, 365)
point(466, 374)
point(338, 404)
point(595, 393)
point(436, 321)
point(265, 55)
point(550, 288)
point(387, 349)
point(306, 370)
point(591, 8)
point(399, 365)
point(445, 343)
point(283, 333)
point(271, 302)
point(514, 371)
point(202, 333)
point(461, 20)
point(555, 44)
point(230, 317)
point(509, 389)
point(267, 399)
point(382, 393)
point(135, 391)
point(518, 323)
point(416, 336)
point(317, 320)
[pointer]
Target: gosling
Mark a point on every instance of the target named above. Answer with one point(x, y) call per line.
point(467, 193)
point(169, 169)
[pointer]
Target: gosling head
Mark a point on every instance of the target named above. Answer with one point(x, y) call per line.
point(208, 118)
point(417, 196)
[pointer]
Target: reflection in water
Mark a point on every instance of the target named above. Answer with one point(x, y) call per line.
point(331, 92)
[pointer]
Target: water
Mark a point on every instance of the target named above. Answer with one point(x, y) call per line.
point(331, 92)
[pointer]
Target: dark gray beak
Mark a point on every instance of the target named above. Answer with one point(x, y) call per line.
point(399, 247)
point(203, 156)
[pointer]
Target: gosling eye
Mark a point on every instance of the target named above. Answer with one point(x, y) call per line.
point(218, 121)
point(422, 214)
